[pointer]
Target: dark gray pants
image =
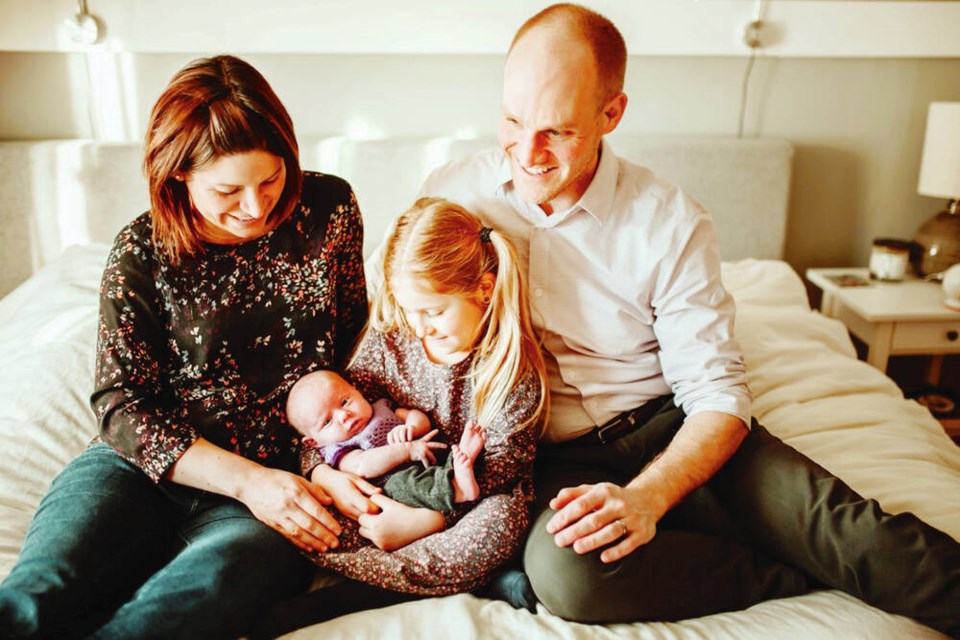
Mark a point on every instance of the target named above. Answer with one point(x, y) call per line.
point(428, 487)
point(772, 523)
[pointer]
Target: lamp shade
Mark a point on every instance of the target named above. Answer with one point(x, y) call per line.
point(940, 167)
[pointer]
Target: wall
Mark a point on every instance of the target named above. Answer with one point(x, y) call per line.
point(853, 102)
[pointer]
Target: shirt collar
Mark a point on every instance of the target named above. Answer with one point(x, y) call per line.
point(597, 200)
point(504, 176)
point(598, 197)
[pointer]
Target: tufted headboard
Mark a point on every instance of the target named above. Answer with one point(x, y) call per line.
point(57, 193)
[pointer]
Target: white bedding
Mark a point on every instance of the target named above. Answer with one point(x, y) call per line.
point(809, 388)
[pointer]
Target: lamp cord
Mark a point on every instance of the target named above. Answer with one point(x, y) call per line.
point(745, 88)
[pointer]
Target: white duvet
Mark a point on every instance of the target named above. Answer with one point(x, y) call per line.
point(810, 390)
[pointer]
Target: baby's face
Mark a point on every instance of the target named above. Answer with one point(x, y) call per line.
point(337, 412)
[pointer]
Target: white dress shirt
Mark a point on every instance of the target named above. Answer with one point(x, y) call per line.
point(624, 287)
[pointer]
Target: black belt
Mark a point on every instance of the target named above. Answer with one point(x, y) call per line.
point(625, 423)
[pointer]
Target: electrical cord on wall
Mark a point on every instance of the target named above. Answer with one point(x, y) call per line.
point(752, 37)
point(86, 29)
point(745, 88)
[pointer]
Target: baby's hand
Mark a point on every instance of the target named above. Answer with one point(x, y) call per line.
point(400, 433)
point(422, 450)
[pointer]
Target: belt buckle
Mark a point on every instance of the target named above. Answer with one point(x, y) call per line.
point(615, 426)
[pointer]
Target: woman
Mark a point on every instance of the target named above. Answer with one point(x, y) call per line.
point(244, 275)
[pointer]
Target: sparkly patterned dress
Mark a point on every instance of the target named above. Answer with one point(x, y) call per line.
point(211, 347)
point(479, 536)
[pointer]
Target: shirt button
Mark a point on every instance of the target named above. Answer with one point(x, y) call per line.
point(538, 293)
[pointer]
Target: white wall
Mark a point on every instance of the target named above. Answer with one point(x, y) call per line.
point(857, 120)
point(651, 27)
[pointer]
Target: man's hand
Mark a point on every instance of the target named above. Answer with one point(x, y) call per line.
point(591, 516)
point(595, 515)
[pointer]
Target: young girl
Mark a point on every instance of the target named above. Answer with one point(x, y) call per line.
point(450, 333)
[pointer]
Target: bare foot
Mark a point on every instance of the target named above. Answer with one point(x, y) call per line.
point(472, 440)
point(465, 454)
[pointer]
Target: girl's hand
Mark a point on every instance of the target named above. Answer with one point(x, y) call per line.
point(397, 525)
point(348, 491)
point(293, 507)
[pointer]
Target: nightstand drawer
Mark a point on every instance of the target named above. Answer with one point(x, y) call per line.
point(923, 337)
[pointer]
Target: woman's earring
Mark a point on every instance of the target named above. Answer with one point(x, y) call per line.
point(485, 299)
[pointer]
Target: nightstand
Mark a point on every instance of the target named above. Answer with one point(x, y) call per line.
point(892, 318)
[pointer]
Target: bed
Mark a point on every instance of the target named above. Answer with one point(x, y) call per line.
point(61, 202)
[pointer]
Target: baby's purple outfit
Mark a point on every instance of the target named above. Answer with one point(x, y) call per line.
point(373, 435)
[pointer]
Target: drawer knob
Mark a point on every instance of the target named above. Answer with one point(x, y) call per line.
point(952, 335)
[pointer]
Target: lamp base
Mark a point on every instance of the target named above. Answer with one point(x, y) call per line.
point(939, 240)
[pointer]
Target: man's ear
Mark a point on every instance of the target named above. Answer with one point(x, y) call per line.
point(613, 112)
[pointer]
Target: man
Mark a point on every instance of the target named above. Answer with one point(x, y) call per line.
point(657, 498)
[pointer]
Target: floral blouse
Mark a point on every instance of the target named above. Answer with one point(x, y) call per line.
point(481, 535)
point(211, 347)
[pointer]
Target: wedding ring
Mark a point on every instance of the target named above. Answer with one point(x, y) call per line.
point(623, 528)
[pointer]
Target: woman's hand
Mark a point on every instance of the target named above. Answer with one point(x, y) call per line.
point(283, 501)
point(348, 491)
point(397, 525)
point(292, 506)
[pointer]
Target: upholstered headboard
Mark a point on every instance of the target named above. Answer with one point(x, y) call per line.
point(54, 194)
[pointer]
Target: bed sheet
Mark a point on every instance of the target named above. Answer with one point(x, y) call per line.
point(810, 390)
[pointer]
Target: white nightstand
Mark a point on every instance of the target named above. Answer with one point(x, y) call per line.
point(892, 318)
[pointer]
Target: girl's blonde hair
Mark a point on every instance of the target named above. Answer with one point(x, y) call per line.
point(444, 245)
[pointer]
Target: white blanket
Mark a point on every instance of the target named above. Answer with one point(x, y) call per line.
point(810, 390)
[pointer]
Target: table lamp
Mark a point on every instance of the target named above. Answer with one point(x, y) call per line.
point(939, 237)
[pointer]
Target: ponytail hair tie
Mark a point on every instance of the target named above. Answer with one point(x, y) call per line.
point(485, 234)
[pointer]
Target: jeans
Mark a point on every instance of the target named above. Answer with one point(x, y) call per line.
point(110, 554)
point(771, 523)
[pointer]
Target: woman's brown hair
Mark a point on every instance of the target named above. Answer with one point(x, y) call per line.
point(212, 107)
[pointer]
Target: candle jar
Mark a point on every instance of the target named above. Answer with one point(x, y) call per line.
point(889, 258)
point(951, 287)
